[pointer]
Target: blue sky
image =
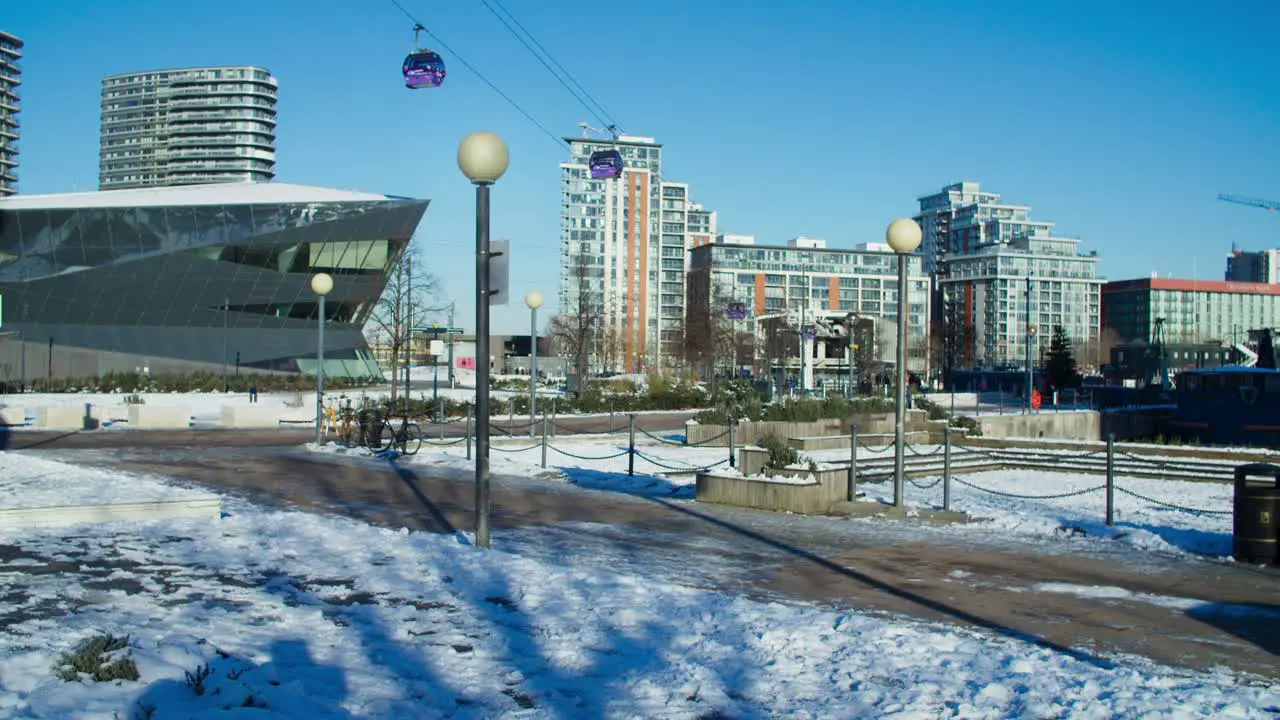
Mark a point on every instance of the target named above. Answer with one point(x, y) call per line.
point(1118, 121)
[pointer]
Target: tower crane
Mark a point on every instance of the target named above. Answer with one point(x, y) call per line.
point(1241, 200)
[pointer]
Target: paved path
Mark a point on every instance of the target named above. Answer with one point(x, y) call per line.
point(893, 567)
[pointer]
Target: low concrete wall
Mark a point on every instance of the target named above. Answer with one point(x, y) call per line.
point(109, 413)
point(830, 486)
point(1135, 424)
point(159, 417)
point(837, 442)
point(1072, 425)
point(749, 433)
point(304, 414)
point(60, 417)
point(10, 415)
point(250, 416)
point(810, 498)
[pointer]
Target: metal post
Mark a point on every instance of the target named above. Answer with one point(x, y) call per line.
point(732, 462)
point(533, 368)
point(853, 461)
point(482, 365)
point(449, 335)
point(50, 359)
point(544, 441)
point(631, 445)
point(899, 450)
point(1027, 408)
point(468, 432)
point(320, 371)
point(946, 467)
point(1111, 479)
point(226, 304)
point(435, 384)
point(408, 328)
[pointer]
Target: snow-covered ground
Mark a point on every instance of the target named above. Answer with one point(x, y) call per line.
point(299, 615)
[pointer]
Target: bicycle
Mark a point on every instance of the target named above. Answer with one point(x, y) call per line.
point(344, 423)
point(408, 437)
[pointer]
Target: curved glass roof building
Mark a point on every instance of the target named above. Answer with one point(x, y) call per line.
point(180, 279)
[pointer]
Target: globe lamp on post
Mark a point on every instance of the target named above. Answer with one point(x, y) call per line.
point(533, 300)
point(483, 158)
point(321, 285)
point(903, 237)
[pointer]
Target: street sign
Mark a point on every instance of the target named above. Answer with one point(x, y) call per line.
point(437, 347)
point(499, 271)
point(437, 330)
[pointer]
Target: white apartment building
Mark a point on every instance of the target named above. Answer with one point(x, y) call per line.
point(802, 282)
point(624, 244)
point(187, 126)
point(10, 79)
point(981, 252)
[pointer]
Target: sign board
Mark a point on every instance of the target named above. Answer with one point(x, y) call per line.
point(437, 330)
point(437, 347)
point(499, 271)
point(466, 363)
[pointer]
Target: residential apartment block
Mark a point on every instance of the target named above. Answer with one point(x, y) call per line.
point(1262, 266)
point(188, 126)
point(983, 253)
point(10, 79)
point(1194, 311)
point(806, 279)
point(623, 245)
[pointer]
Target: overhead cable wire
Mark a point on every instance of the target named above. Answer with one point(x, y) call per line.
point(555, 138)
point(590, 103)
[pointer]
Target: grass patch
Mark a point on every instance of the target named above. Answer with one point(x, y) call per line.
point(101, 658)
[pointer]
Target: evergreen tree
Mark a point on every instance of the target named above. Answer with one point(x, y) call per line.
point(1060, 365)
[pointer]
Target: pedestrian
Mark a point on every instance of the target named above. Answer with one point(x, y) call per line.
point(253, 392)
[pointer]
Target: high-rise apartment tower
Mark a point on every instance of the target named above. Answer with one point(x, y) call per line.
point(10, 79)
point(187, 126)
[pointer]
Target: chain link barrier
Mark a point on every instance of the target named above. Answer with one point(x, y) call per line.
point(1019, 496)
point(684, 443)
point(1173, 506)
point(660, 464)
point(584, 457)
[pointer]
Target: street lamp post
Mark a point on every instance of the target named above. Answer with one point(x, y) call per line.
point(483, 158)
point(321, 284)
point(904, 237)
point(533, 300)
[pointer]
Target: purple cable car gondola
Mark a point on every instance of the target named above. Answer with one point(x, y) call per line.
point(605, 164)
point(422, 68)
point(737, 311)
point(809, 332)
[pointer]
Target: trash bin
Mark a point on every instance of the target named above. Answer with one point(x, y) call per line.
point(1256, 514)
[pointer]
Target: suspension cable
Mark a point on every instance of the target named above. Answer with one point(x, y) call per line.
point(453, 54)
point(606, 119)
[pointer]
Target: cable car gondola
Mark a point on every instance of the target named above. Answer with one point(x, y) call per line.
point(605, 164)
point(422, 68)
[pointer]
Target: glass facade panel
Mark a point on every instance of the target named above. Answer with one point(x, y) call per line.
point(178, 287)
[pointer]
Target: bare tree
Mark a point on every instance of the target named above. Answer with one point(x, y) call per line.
point(406, 299)
point(575, 332)
point(709, 338)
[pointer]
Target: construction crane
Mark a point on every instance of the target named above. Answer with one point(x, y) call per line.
point(1241, 200)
